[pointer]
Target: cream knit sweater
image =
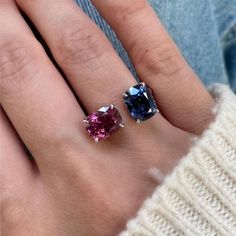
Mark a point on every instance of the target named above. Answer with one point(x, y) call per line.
point(199, 197)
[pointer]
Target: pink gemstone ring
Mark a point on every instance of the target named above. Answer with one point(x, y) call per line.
point(103, 123)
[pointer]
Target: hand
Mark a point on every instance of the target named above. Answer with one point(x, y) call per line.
point(73, 186)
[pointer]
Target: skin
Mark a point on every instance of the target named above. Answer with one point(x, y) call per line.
point(73, 186)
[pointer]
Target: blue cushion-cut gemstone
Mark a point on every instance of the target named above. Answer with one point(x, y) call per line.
point(140, 102)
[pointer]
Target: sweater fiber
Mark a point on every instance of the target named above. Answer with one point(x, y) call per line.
point(199, 197)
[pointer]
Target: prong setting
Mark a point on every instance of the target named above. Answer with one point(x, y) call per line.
point(85, 121)
point(122, 125)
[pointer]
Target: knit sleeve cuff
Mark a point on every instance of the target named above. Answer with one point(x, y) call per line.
point(199, 197)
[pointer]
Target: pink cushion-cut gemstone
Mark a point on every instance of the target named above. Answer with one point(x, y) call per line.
point(103, 123)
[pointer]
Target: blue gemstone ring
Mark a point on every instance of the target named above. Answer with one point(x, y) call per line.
point(140, 102)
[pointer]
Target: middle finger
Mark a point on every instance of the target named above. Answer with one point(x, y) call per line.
point(96, 73)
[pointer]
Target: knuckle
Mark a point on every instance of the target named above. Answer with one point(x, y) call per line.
point(10, 212)
point(125, 11)
point(12, 206)
point(159, 59)
point(80, 45)
point(60, 142)
point(15, 58)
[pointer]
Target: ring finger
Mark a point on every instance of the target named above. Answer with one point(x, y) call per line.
point(87, 58)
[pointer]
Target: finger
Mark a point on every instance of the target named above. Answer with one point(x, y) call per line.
point(82, 51)
point(90, 63)
point(34, 95)
point(180, 94)
point(17, 172)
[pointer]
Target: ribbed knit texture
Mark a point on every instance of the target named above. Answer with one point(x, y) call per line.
point(199, 197)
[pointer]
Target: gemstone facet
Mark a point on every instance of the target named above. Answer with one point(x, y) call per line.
point(140, 102)
point(103, 123)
